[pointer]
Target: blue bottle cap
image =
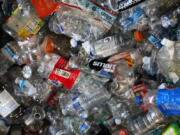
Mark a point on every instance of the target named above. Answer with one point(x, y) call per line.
point(139, 100)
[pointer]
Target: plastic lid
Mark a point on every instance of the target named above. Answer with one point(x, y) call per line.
point(138, 100)
point(118, 121)
point(123, 132)
point(168, 43)
point(74, 43)
point(138, 36)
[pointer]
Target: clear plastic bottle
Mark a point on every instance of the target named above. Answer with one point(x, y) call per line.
point(74, 23)
point(119, 110)
point(143, 123)
point(80, 126)
point(81, 105)
point(92, 66)
point(170, 19)
point(109, 45)
point(25, 87)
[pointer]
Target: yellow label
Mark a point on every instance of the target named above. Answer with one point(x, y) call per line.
point(169, 131)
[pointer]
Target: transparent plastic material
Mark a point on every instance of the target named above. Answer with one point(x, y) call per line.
point(80, 105)
point(74, 23)
point(145, 122)
point(168, 61)
point(23, 23)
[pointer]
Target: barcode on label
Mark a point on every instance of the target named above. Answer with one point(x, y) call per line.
point(62, 73)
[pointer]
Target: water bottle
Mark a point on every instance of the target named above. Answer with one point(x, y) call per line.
point(74, 23)
point(168, 60)
point(25, 88)
point(24, 22)
point(134, 19)
point(80, 126)
point(37, 114)
point(81, 105)
point(119, 110)
point(108, 46)
point(143, 123)
point(170, 19)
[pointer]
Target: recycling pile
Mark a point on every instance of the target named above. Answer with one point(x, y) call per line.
point(89, 67)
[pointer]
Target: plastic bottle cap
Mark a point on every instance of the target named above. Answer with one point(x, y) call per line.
point(74, 43)
point(138, 36)
point(146, 60)
point(118, 121)
point(138, 100)
point(168, 43)
point(123, 132)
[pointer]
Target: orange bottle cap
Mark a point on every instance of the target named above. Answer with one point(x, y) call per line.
point(49, 47)
point(138, 36)
point(123, 132)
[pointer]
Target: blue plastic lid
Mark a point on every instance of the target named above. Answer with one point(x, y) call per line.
point(139, 100)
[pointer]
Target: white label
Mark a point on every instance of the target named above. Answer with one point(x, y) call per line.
point(62, 73)
point(7, 104)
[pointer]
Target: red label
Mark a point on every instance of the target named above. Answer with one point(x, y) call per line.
point(140, 90)
point(60, 74)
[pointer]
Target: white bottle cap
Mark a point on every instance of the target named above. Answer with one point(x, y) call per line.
point(168, 43)
point(118, 121)
point(74, 43)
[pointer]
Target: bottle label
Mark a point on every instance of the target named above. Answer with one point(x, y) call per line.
point(127, 3)
point(77, 106)
point(21, 85)
point(106, 47)
point(140, 90)
point(98, 12)
point(155, 41)
point(7, 104)
point(99, 65)
point(168, 101)
point(84, 127)
point(60, 74)
point(132, 19)
point(29, 28)
point(9, 53)
point(165, 22)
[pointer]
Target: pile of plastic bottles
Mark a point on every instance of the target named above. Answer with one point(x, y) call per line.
point(89, 67)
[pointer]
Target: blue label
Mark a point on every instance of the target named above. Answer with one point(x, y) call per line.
point(132, 19)
point(165, 22)
point(60, 28)
point(155, 41)
point(84, 127)
point(105, 74)
point(168, 101)
point(8, 50)
point(106, 18)
point(21, 85)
